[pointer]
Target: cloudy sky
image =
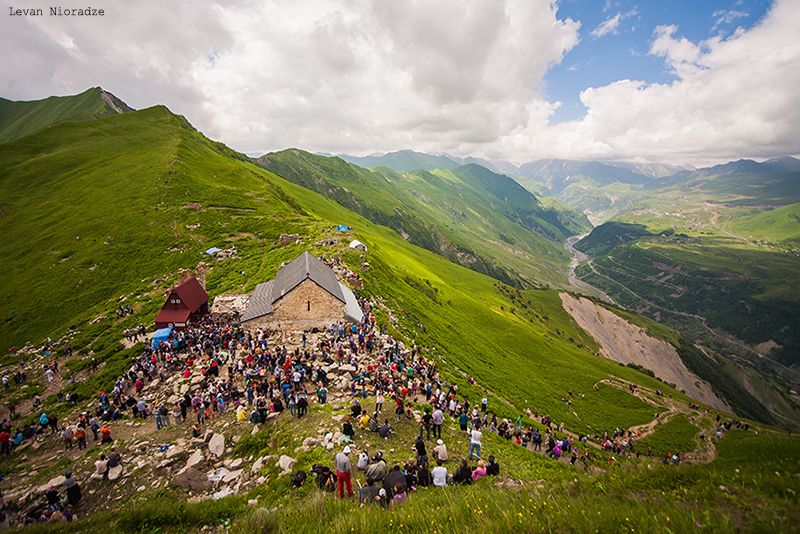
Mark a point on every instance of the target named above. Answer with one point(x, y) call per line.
point(680, 81)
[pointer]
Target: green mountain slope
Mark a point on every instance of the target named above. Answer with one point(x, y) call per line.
point(404, 160)
point(740, 183)
point(778, 225)
point(469, 215)
point(711, 243)
point(18, 119)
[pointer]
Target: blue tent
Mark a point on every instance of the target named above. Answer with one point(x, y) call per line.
point(213, 250)
point(342, 228)
point(160, 335)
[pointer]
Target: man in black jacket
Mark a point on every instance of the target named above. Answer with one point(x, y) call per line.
point(394, 478)
point(493, 468)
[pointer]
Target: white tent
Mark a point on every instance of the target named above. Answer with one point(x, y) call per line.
point(355, 243)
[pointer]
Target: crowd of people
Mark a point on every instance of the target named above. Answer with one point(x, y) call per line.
point(230, 369)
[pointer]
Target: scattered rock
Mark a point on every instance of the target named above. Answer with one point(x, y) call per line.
point(217, 445)
point(223, 492)
point(57, 481)
point(217, 475)
point(172, 452)
point(285, 239)
point(230, 477)
point(192, 479)
point(195, 458)
point(115, 472)
point(310, 442)
point(257, 465)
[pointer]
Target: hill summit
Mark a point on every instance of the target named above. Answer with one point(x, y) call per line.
point(21, 118)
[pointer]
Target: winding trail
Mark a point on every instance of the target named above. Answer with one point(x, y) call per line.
point(705, 450)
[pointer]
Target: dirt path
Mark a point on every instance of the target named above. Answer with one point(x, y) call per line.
point(705, 450)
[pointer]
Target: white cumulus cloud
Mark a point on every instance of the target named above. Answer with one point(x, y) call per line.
point(733, 97)
point(364, 76)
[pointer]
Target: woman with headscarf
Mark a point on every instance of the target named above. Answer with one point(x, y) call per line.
point(73, 489)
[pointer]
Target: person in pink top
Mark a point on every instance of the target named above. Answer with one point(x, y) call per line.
point(479, 471)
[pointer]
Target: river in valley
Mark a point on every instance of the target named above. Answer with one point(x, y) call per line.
point(578, 258)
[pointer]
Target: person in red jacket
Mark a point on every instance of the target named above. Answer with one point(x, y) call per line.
point(5, 442)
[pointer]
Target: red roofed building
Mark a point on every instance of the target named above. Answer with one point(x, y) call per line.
point(186, 302)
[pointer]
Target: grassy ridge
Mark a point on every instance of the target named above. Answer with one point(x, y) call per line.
point(147, 194)
point(86, 222)
point(778, 225)
point(18, 119)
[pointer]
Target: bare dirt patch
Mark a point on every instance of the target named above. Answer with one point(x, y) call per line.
point(627, 343)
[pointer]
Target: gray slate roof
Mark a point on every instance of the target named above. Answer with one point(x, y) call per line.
point(260, 302)
point(287, 278)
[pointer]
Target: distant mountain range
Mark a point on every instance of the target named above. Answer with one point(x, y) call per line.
point(550, 174)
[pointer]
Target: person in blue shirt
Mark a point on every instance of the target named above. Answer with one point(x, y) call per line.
point(463, 419)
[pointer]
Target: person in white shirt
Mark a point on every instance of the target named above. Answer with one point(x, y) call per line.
point(440, 451)
point(475, 442)
point(439, 475)
point(363, 461)
point(438, 419)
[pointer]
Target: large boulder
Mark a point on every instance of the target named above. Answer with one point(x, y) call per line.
point(217, 445)
point(192, 479)
point(286, 463)
point(54, 482)
point(115, 472)
point(346, 369)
